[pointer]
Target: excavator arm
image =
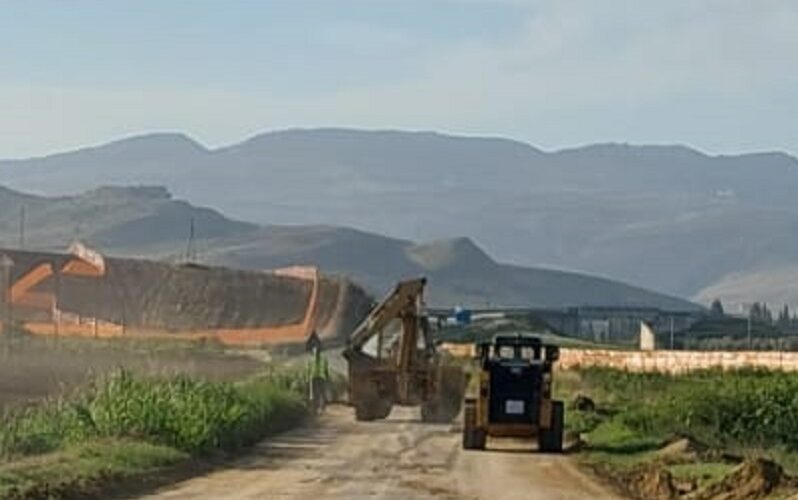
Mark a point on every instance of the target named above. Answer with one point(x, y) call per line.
point(403, 303)
point(412, 374)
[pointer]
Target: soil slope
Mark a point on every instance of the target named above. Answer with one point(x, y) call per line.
point(142, 295)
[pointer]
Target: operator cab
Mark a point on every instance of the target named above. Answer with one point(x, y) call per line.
point(517, 349)
point(519, 368)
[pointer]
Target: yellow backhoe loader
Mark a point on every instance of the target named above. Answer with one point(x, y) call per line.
point(393, 361)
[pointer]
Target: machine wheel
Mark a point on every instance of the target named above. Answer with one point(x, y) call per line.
point(364, 413)
point(473, 437)
point(550, 440)
point(439, 412)
point(430, 412)
point(372, 410)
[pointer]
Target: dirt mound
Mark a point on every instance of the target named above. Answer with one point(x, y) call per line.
point(653, 484)
point(132, 295)
point(683, 449)
point(751, 479)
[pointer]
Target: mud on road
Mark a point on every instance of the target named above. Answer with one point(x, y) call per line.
point(396, 459)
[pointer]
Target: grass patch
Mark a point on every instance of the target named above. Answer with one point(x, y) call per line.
point(124, 425)
point(743, 409)
point(614, 445)
point(702, 472)
point(84, 468)
point(613, 436)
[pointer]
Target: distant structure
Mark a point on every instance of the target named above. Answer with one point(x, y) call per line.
point(648, 338)
point(616, 324)
point(603, 324)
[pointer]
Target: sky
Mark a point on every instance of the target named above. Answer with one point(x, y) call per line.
point(719, 75)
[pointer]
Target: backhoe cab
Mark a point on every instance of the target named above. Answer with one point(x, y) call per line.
point(513, 394)
point(393, 361)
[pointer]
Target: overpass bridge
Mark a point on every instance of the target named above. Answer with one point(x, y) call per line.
point(607, 324)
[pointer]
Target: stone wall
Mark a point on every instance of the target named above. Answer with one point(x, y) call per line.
point(678, 361)
point(662, 361)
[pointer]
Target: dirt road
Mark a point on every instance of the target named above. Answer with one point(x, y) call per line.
point(397, 459)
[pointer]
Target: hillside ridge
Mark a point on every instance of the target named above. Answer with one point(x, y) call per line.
point(146, 222)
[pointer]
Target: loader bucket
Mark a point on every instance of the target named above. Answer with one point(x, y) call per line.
point(446, 400)
point(372, 387)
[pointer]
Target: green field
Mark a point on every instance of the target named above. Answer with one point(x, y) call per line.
point(697, 427)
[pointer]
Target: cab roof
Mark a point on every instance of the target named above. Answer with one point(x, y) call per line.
point(522, 339)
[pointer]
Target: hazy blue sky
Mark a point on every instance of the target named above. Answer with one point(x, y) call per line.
point(721, 75)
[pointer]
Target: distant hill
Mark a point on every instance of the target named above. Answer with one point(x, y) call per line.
point(666, 217)
point(460, 272)
point(774, 286)
point(148, 222)
point(114, 217)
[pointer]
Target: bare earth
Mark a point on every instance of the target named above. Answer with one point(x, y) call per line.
point(396, 459)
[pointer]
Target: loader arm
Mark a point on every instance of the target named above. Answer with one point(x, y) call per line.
point(411, 373)
point(404, 303)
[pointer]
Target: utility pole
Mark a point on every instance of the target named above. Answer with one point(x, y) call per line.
point(671, 333)
point(57, 305)
point(22, 227)
point(6, 264)
point(96, 307)
point(747, 308)
point(191, 251)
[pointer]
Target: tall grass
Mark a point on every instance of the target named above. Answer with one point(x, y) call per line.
point(746, 408)
point(190, 415)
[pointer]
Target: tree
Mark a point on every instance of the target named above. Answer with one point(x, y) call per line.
point(784, 316)
point(716, 309)
point(761, 312)
point(755, 313)
point(767, 316)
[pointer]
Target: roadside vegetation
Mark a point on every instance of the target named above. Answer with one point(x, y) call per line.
point(124, 426)
point(666, 436)
point(33, 368)
point(759, 329)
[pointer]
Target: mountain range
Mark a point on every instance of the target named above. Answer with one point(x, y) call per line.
point(665, 217)
point(148, 222)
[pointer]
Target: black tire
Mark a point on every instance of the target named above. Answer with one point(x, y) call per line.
point(550, 440)
point(479, 438)
point(473, 437)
